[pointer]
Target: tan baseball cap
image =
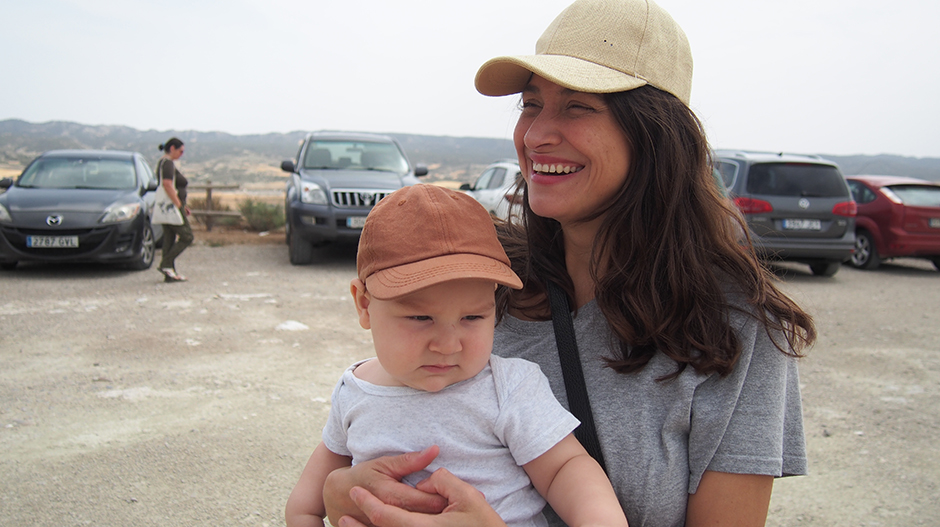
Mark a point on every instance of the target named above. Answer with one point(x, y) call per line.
point(601, 46)
point(422, 235)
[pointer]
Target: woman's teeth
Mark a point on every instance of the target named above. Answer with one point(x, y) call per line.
point(555, 169)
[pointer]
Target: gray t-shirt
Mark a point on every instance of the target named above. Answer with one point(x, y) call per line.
point(658, 438)
point(487, 427)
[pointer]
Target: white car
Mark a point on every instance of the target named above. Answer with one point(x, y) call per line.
point(495, 187)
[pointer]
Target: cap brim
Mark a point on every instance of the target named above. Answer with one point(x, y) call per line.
point(404, 279)
point(508, 75)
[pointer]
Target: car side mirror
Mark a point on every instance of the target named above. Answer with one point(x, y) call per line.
point(421, 169)
point(288, 166)
point(152, 185)
point(466, 186)
point(6, 182)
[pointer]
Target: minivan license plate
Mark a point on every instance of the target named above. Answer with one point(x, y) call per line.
point(356, 222)
point(935, 223)
point(802, 225)
point(52, 242)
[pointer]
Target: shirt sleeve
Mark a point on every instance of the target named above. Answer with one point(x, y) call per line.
point(531, 420)
point(334, 432)
point(749, 422)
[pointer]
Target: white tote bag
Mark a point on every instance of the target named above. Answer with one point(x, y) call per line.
point(164, 210)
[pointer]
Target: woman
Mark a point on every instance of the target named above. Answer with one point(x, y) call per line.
point(687, 348)
point(176, 238)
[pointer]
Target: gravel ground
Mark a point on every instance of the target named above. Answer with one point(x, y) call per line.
point(127, 401)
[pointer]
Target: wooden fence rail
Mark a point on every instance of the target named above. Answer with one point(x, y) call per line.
point(208, 213)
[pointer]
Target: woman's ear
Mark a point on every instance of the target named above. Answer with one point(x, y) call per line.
point(362, 299)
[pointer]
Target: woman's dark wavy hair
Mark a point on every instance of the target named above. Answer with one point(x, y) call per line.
point(676, 252)
point(172, 142)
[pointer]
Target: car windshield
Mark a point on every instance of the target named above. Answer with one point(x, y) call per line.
point(917, 195)
point(354, 155)
point(796, 179)
point(79, 172)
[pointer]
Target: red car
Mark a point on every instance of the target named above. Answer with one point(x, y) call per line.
point(897, 216)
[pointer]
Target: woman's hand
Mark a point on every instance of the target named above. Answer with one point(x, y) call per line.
point(382, 477)
point(466, 507)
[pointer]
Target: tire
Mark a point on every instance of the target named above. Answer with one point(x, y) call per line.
point(866, 254)
point(148, 248)
point(825, 268)
point(299, 250)
point(936, 263)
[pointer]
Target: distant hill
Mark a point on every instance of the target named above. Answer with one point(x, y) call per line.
point(227, 158)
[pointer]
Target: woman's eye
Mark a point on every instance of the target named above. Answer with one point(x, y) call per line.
point(580, 107)
point(528, 105)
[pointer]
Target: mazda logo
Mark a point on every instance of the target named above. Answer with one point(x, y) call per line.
point(54, 220)
point(803, 203)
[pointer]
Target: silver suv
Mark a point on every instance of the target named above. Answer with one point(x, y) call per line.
point(337, 178)
point(798, 207)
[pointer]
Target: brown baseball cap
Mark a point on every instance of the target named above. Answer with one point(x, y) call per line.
point(422, 235)
point(601, 46)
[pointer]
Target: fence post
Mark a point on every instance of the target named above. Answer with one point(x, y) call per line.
point(209, 205)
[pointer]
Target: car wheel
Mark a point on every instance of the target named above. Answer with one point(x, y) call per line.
point(299, 249)
point(936, 263)
point(287, 231)
point(825, 268)
point(865, 255)
point(9, 266)
point(148, 247)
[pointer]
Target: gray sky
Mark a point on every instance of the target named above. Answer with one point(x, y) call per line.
point(813, 76)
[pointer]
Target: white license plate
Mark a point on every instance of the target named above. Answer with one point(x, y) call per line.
point(356, 222)
point(934, 222)
point(802, 225)
point(52, 242)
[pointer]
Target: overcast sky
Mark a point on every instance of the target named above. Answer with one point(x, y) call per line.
point(812, 76)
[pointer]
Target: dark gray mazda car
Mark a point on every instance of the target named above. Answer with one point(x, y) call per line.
point(80, 205)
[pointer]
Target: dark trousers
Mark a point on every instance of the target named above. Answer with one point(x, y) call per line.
point(176, 238)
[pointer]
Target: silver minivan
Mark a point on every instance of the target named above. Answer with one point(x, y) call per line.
point(798, 207)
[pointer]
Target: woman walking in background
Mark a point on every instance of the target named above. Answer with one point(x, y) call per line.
point(176, 238)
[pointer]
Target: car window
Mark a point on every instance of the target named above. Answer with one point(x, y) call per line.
point(796, 179)
point(917, 195)
point(728, 172)
point(499, 175)
point(79, 172)
point(484, 179)
point(861, 193)
point(143, 170)
point(354, 155)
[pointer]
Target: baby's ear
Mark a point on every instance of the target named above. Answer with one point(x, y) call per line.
point(361, 298)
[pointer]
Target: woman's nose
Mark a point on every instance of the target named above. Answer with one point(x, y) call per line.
point(542, 130)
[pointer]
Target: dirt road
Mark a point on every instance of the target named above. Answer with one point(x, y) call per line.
point(127, 401)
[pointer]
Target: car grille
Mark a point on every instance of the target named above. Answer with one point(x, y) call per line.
point(358, 198)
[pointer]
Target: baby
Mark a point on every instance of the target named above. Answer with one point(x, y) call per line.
point(429, 262)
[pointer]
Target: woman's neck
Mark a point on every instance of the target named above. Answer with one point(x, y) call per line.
point(579, 242)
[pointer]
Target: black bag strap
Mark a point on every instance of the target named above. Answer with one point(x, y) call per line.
point(578, 401)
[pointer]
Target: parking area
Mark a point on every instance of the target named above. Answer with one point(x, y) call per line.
point(128, 401)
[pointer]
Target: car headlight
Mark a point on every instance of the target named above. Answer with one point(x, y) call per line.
point(5, 215)
point(312, 193)
point(118, 213)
